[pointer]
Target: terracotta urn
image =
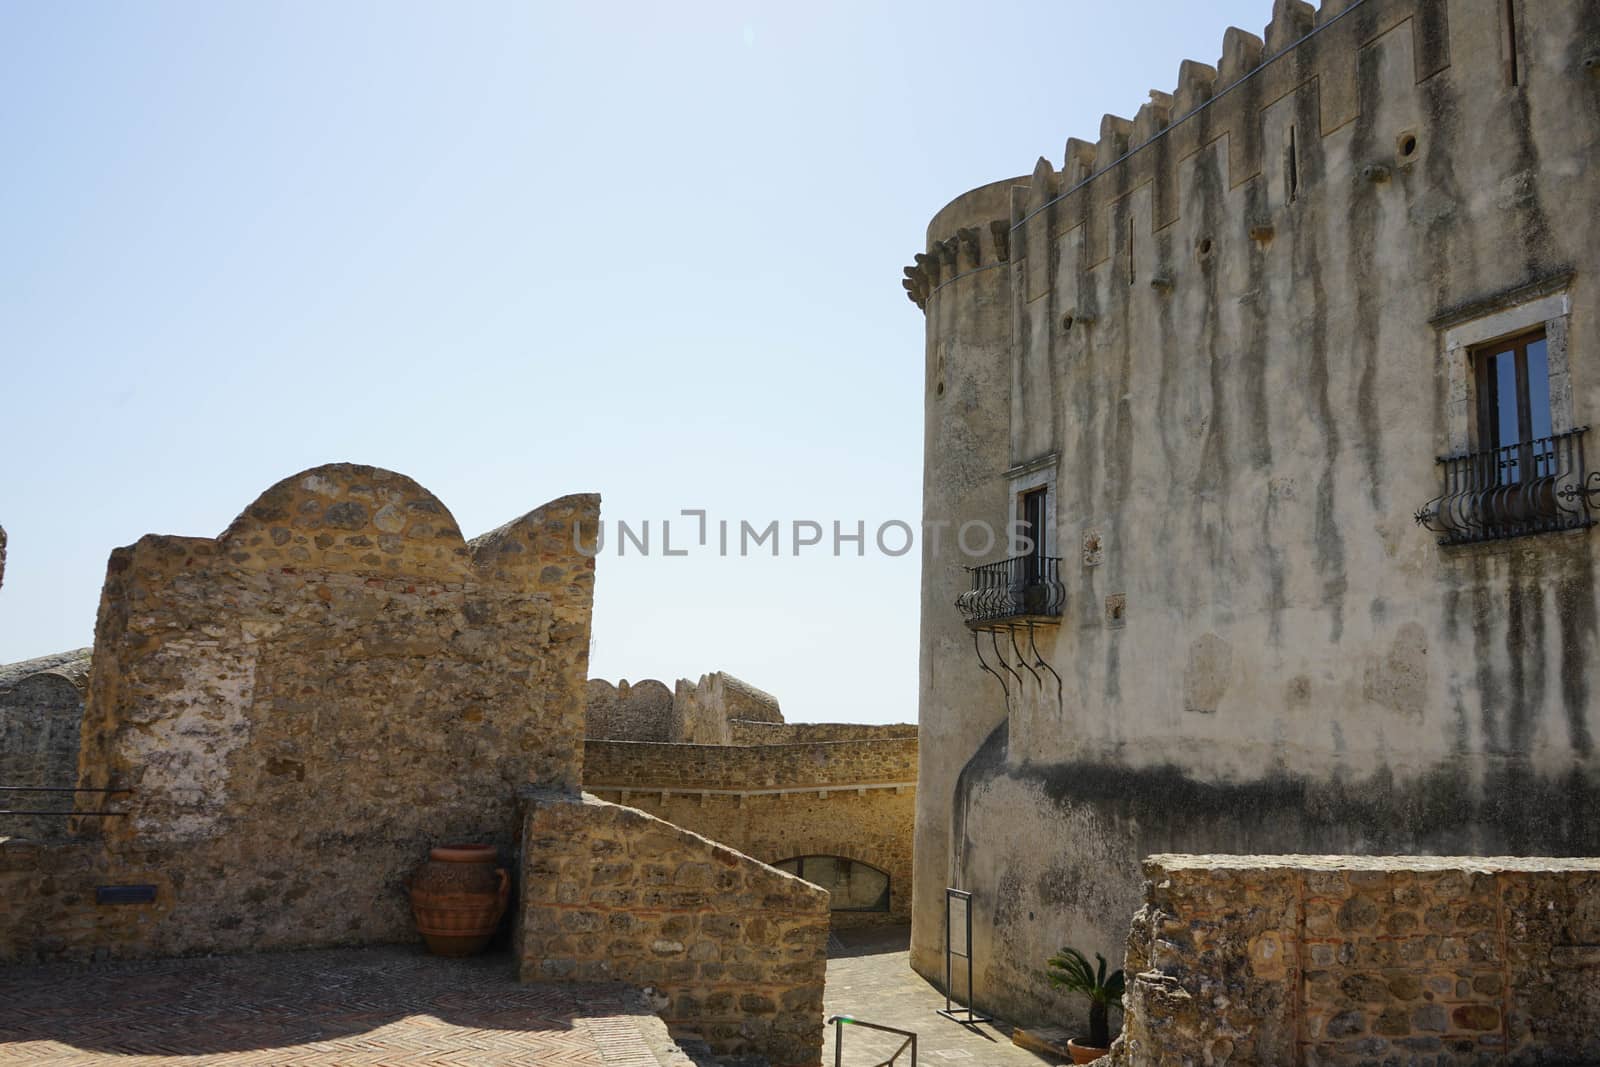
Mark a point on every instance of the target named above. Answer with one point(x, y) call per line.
point(1085, 1053)
point(458, 895)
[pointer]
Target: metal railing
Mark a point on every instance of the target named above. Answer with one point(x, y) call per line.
point(839, 1022)
point(1018, 588)
point(1532, 487)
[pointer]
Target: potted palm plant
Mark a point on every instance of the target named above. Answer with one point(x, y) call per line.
point(1069, 970)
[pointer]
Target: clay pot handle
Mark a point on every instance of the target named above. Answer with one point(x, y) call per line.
point(505, 882)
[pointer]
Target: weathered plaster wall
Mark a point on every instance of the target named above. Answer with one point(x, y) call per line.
point(1234, 382)
point(306, 703)
point(854, 799)
point(966, 423)
point(1360, 959)
point(727, 949)
point(41, 705)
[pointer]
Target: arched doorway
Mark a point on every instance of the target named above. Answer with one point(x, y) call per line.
point(853, 885)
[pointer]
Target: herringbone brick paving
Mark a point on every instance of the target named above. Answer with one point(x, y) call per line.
point(384, 1007)
point(870, 978)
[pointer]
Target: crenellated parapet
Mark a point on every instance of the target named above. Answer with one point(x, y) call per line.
point(968, 248)
point(1303, 49)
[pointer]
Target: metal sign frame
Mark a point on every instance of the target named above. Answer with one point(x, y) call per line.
point(965, 1016)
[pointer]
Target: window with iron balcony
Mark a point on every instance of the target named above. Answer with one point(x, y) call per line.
point(1520, 477)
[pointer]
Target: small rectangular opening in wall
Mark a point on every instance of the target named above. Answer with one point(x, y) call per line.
point(1513, 72)
point(124, 894)
point(1130, 250)
point(1292, 166)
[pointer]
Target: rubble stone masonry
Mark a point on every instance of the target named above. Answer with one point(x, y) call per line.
point(850, 799)
point(1334, 960)
point(727, 949)
point(299, 709)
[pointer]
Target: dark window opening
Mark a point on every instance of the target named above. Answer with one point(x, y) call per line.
point(852, 886)
point(1513, 381)
point(1513, 73)
point(1032, 518)
point(1292, 167)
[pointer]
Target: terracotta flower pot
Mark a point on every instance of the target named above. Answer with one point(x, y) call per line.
point(1084, 1053)
point(457, 898)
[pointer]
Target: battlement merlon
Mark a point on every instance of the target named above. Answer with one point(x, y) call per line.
point(983, 216)
point(1302, 47)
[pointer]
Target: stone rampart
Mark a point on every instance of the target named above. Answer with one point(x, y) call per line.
point(695, 713)
point(1334, 960)
point(748, 732)
point(299, 708)
point(702, 710)
point(641, 711)
point(853, 800)
point(625, 764)
point(728, 950)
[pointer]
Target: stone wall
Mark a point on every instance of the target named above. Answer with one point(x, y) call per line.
point(306, 703)
point(1228, 338)
point(702, 710)
point(41, 705)
point(696, 713)
point(746, 732)
point(728, 950)
point(690, 767)
point(641, 711)
point(854, 800)
point(1358, 959)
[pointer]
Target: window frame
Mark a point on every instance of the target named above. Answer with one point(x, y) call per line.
point(1514, 461)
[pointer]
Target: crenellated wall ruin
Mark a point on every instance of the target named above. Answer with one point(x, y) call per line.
point(697, 713)
point(293, 712)
point(1228, 340)
point(282, 720)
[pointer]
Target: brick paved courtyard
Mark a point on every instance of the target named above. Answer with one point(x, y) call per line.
point(394, 1006)
point(399, 1007)
point(870, 978)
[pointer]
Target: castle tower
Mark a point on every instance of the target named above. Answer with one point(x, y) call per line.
point(963, 283)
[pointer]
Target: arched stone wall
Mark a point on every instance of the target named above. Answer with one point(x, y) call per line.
point(623, 712)
point(301, 706)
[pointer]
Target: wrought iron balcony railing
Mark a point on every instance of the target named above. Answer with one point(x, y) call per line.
point(1537, 486)
point(1016, 589)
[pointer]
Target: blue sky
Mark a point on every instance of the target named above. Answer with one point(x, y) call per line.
point(516, 251)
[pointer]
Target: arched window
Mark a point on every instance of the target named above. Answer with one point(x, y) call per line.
point(854, 886)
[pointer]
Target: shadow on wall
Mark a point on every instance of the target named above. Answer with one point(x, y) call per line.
point(1104, 818)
